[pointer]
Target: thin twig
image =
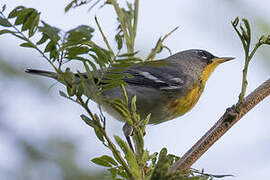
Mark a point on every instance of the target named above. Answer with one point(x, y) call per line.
point(104, 37)
point(159, 45)
point(229, 118)
point(244, 80)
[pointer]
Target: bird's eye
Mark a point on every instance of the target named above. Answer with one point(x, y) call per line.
point(203, 54)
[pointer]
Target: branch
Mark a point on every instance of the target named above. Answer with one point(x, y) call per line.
point(229, 118)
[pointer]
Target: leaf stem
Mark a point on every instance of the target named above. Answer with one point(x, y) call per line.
point(123, 26)
point(244, 80)
point(136, 14)
point(159, 45)
point(118, 156)
point(104, 38)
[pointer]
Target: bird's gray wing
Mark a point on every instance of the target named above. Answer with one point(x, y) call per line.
point(154, 74)
point(164, 78)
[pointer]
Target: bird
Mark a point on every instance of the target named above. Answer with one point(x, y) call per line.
point(167, 88)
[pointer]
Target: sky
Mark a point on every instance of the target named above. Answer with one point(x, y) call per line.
point(202, 25)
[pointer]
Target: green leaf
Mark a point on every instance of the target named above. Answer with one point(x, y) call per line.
point(115, 76)
point(245, 35)
point(172, 159)
point(118, 172)
point(102, 54)
point(50, 31)
point(69, 78)
point(145, 156)
point(105, 160)
point(50, 46)
point(235, 22)
point(43, 39)
point(4, 31)
point(54, 54)
point(30, 21)
point(123, 145)
point(67, 8)
point(88, 90)
point(111, 85)
point(128, 54)
point(4, 22)
point(147, 119)
point(29, 45)
point(110, 160)
point(79, 34)
point(23, 15)
point(247, 27)
point(101, 161)
point(119, 40)
point(99, 133)
point(129, 156)
point(153, 157)
point(80, 90)
point(34, 26)
point(87, 120)
point(265, 39)
point(77, 50)
point(133, 104)
point(162, 166)
point(71, 90)
point(159, 46)
point(15, 12)
point(100, 63)
point(93, 67)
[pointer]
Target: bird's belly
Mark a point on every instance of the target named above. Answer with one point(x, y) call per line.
point(158, 115)
point(158, 111)
point(183, 104)
point(148, 101)
point(161, 111)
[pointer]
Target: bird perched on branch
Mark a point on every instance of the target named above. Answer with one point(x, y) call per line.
point(166, 88)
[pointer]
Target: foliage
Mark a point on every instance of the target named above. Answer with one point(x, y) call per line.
point(59, 47)
point(244, 33)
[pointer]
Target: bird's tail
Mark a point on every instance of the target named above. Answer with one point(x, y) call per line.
point(42, 73)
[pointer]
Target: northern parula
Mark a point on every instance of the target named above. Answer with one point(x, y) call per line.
point(166, 88)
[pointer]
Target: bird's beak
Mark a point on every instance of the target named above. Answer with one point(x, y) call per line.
point(222, 59)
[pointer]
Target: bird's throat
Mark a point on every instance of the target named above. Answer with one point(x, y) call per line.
point(183, 104)
point(207, 71)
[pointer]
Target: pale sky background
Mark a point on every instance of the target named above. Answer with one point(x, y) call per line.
point(244, 151)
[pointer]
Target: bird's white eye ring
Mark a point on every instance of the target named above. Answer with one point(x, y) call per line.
point(204, 57)
point(203, 54)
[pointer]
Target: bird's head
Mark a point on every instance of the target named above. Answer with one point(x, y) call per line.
point(199, 62)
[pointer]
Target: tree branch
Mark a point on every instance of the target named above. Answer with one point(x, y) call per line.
point(229, 118)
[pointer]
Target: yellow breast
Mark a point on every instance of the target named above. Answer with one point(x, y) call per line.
point(182, 105)
point(185, 103)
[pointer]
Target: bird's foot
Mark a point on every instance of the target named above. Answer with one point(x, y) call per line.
point(128, 131)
